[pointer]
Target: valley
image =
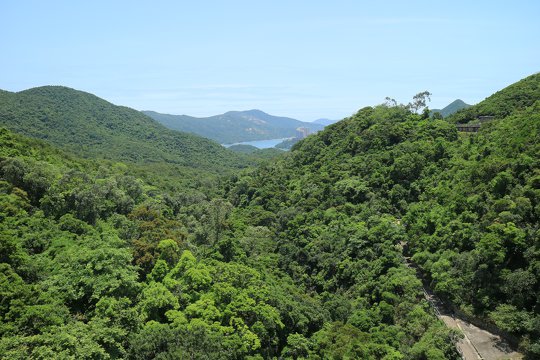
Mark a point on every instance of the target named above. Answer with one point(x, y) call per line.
point(123, 239)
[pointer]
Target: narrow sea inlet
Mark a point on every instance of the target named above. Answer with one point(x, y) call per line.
point(261, 144)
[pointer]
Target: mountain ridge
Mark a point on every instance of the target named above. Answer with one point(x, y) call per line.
point(452, 108)
point(507, 101)
point(235, 126)
point(325, 121)
point(90, 126)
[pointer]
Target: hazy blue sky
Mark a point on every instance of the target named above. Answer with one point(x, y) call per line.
point(303, 59)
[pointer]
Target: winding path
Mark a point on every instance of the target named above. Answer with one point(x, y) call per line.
point(477, 343)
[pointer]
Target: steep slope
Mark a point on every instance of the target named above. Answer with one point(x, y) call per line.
point(334, 203)
point(476, 230)
point(515, 97)
point(79, 242)
point(467, 206)
point(235, 126)
point(452, 108)
point(92, 127)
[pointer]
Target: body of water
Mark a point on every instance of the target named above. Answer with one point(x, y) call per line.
point(261, 144)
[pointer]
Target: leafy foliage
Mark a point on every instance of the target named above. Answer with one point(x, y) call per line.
point(91, 127)
point(298, 258)
point(503, 103)
point(476, 231)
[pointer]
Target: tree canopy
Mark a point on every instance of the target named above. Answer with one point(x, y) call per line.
point(299, 257)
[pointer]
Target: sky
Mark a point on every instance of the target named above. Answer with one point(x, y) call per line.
point(301, 59)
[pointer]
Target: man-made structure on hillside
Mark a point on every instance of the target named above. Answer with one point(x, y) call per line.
point(483, 119)
point(468, 127)
point(302, 132)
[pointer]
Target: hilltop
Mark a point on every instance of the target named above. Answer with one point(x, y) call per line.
point(515, 97)
point(235, 126)
point(451, 108)
point(86, 125)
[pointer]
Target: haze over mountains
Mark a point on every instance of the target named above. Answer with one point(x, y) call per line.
point(235, 126)
point(325, 122)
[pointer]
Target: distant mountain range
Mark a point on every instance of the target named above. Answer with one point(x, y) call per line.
point(452, 108)
point(325, 122)
point(235, 126)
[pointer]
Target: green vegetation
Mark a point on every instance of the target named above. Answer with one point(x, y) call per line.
point(516, 97)
point(235, 126)
point(97, 264)
point(469, 206)
point(287, 144)
point(243, 149)
point(475, 230)
point(451, 108)
point(91, 127)
point(297, 258)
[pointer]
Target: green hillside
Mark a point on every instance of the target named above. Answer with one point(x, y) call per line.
point(451, 108)
point(468, 208)
point(96, 263)
point(299, 258)
point(235, 126)
point(333, 204)
point(79, 240)
point(475, 231)
point(92, 127)
point(515, 97)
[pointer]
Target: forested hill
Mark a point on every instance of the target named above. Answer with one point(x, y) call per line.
point(299, 258)
point(515, 97)
point(475, 230)
point(235, 126)
point(97, 264)
point(92, 127)
point(335, 204)
point(451, 108)
point(467, 205)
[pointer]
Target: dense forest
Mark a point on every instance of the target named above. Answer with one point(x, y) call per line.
point(112, 256)
point(91, 127)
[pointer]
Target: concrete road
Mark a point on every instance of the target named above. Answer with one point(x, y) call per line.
point(465, 347)
point(489, 346)
point(477, 344)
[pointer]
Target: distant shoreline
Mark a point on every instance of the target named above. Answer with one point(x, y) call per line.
point(261, 144)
